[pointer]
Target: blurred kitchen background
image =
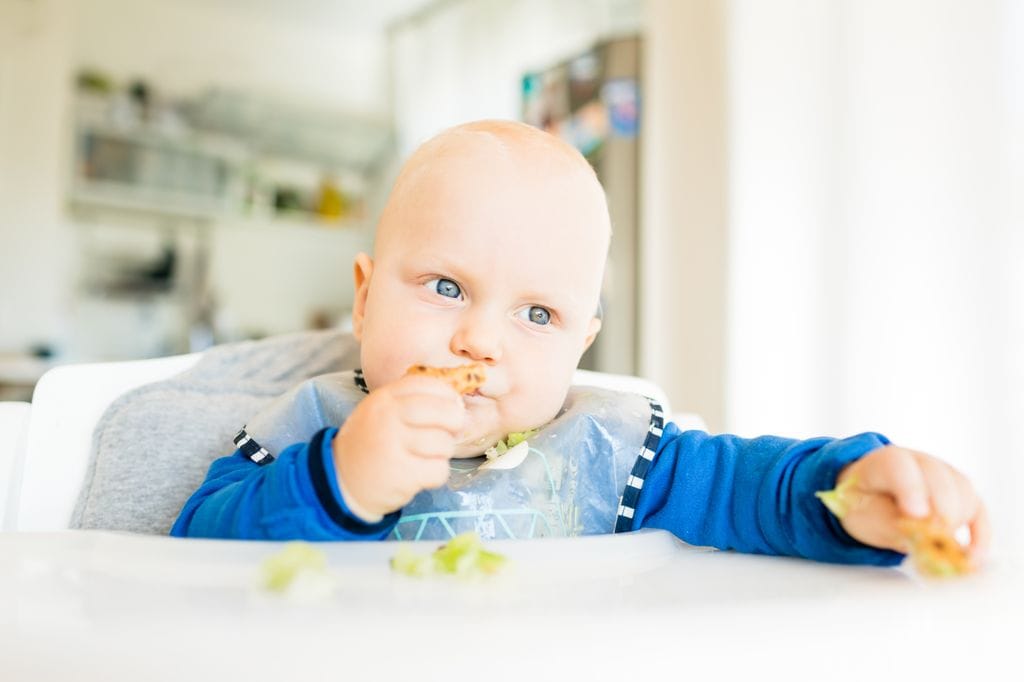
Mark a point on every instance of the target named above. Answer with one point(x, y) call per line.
point(818, 213)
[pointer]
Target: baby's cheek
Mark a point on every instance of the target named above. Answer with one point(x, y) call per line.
point(539, 409)
point(384, 365)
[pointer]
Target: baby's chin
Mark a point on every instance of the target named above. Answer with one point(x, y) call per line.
point(475, 447)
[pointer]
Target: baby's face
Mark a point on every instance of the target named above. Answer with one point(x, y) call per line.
point(485, 262)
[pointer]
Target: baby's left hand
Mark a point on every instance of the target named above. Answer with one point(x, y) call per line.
point(893, 482)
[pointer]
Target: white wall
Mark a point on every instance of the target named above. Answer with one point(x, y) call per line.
point(875, 227)
point(1012, 202)
point(36, 244)
point(785, 216)
point(683, 195)
point(185, 46)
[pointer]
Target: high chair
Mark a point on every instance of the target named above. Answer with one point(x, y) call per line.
point(45, 445)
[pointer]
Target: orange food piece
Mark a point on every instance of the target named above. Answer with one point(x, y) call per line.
point(931, 545)
point(933, 548)
point(464, 379)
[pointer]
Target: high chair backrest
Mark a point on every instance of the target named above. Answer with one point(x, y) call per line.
point(66, 404)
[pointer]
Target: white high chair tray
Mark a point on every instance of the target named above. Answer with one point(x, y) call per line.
point(92, 605)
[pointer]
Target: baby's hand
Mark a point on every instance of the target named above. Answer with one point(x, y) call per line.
point(396, 443)
point(893, 483)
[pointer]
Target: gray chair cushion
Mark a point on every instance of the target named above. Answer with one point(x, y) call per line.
point(153, 446)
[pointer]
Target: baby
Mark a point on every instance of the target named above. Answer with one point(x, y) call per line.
point(491, 250)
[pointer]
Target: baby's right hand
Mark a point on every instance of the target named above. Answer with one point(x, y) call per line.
point(396, 443)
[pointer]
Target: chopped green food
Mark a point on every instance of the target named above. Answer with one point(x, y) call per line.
point(280, 570)
point(511, 440)
point(516, 437)
point(464, 555)
point(839, 499)
point(410, 563)
point(490, 562)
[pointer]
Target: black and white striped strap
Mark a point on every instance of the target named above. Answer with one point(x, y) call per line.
point(257, 453)
point(635, 482)
point(252, 449)
point(360, 381)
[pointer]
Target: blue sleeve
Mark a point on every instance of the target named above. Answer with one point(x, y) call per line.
point(295, 497)
point(754, 495)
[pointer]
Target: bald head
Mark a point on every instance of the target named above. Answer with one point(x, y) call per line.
point(461, 162)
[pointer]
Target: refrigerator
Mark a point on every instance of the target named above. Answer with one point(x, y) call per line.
point(592, 100)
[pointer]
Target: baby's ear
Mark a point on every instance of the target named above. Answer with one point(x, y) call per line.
point(362, 270)
point(592, 330)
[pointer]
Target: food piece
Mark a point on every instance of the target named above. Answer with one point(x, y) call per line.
point(299, 570)
point(496, 450)
point(510, 459)
point(490, 562)
point(511, 440)
point(459, 555)
point(464, 555)
point(464, 379)
point(839, 499)
point(516, 437)
point(932, 547)
point(410, 563)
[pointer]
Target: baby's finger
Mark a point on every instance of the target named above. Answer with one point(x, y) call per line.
point(431, 411)
point(430, 443)
point(432, 473)
point(895, 471)
point(945, 493)
point(981, 535)
point(414, 384)
point(874, 520)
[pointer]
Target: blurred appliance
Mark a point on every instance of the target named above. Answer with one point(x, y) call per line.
point(592, 101)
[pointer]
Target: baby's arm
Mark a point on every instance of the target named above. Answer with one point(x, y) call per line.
point(754, 495)
point(295, 497)
point(344, 484)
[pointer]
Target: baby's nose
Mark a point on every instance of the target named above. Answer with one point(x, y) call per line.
point(478, 338)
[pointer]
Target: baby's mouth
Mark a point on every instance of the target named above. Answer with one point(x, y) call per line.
point(476, 396)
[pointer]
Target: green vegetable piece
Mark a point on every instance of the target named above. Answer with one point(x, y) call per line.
point(463, 555)
point(840, 499)
point(459, 555)
point(517, 437)
point(279, 570)
point(490, 562)
point(409, 563)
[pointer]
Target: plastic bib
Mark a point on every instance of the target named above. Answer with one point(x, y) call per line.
point(569, 478)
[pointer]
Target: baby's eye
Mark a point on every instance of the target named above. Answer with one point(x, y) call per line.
point(536, 314)
point(445, 287)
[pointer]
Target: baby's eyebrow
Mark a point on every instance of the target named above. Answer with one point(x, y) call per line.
point(545, 299)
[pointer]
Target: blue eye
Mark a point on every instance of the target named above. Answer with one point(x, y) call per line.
point(537, 315)
point(445, 287)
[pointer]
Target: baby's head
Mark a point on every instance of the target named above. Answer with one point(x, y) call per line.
point(491, 248)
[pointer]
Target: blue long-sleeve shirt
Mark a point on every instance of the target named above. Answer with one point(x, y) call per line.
point(752, 495)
